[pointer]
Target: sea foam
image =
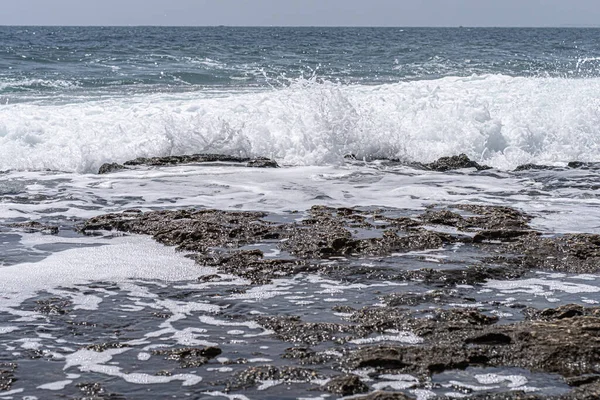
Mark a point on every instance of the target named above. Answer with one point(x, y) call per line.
point(500, 120)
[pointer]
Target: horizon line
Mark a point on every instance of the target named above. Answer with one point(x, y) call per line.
point(564, 26)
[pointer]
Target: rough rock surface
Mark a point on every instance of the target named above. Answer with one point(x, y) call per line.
point(346, 385)
point(332, 241)
point(454, 162)
point(189, 357)
point(108, 168)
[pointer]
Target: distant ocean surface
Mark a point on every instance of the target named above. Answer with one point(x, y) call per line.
point(73, 98)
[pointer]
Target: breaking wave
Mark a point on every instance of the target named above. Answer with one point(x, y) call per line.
point(500, 120)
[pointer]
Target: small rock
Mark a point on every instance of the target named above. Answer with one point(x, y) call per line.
point(107, 168)
point(455, 162)
point(262, 163)
point(346, 385)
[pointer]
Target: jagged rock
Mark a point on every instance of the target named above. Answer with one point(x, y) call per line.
point(107, 168)
point(262, 163)
point(254, 375)
point(527, 167)
point(454, 162)
point(189, 357)
point(100, 347)
point(34, 226)
point(346, 385)
point(573, 253)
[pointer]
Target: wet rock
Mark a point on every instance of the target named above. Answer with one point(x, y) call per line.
point(380, 395)
point(501, 235)
point(562, 312)
point(7, 375)
point(185, 159)
point(189, 357)
point(253, 376)
point(454, 162)
point(191, 230)
point(495, 217)
point(438, 296)
point(293, 329)
point(583, 165)
point(443, 217)
point(528, 167)
point(471, 275)
point(34, 227)
point(298, 353)
point(570, 347)
point(582, 380)
point(250, 264)
point(53, 306)
point(262, 163)
point(573, 253)
point(95, 391)
point(345, 385)
point(107, 168)
point(100, 347)
point(91, 388)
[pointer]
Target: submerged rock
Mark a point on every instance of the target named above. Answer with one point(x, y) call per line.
point(253, 376)
point(7, 375)
point(35, 226)
point(189, 357)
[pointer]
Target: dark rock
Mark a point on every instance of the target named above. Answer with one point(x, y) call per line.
point(53, 306)
point(190, 229)
point(262, 163)
point(346, 385)
point(107, 168)
point(7, 375)
point(570, 347)
point(438, 296)
point(380, 395)
point(527, 167)
point(500, 235)
point(189, 357)
point(250, 264)
point(454, 162)
point(573, 253)
point(254, 375)
point(185, 159)
point(34, 227)
point(100, 347)
point(584, 165)
point(562, 312)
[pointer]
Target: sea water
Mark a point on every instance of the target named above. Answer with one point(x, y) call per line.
point(74, 98)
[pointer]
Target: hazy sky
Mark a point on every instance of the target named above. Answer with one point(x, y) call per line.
point(302, 12)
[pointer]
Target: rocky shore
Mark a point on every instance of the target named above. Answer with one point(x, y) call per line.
point(438, 338)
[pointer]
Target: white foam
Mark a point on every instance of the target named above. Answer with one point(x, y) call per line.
point(503, 120)
point(59, 385)
point(492, 379)
point(91, 361)
point(403, 337)
point(541, 287)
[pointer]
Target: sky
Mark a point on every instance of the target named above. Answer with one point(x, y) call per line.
point(557, 13)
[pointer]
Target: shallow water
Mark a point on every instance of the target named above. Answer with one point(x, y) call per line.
point(62, 292)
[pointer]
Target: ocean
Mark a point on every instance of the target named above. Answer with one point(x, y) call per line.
point(353, 117)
